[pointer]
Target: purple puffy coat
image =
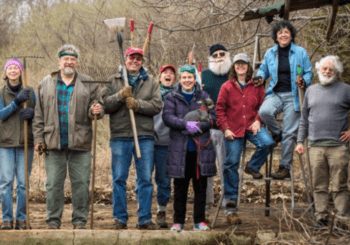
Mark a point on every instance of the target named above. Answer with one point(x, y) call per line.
point(175, 108)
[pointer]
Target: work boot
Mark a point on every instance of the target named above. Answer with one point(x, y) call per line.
point(7, 225)
point(119, 225)
point(255, 175)
point(282, 173)
point(161, 219)
point(147, 226)
point(21, 225)
point(233, 219)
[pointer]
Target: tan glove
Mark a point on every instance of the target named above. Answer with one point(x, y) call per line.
point(125, 92)
point(131, 103)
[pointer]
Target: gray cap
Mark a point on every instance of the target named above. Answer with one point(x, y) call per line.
point(241, 56)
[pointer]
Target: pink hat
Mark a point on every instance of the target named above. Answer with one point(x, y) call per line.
point(164, 67)
point(132, 50)
point(13, 61)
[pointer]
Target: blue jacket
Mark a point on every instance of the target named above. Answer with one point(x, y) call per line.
point(297, 56)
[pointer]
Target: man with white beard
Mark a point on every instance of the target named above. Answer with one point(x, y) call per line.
point(324, 121)
point(219, 63)
point(62, 126)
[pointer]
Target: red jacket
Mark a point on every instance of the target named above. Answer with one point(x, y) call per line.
point(237, 109)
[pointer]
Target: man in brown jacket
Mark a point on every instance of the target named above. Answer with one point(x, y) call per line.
point(62, 126)
point(142, 96)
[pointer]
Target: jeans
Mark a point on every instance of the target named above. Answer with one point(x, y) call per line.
point(262, 140)
point(11, 166)
point(79, 166)
point(161, 174)
point(276, 103)
point(122, 151)
point(218, 139)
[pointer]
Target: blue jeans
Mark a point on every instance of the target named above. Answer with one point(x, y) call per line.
point(11, 166)
point(262, 140)
point(122, 151)
point(272, 105)
point(161, 174)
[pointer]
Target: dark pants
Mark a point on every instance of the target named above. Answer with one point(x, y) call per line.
point(181, 190)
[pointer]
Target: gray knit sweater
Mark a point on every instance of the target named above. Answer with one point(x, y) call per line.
point(325, 112)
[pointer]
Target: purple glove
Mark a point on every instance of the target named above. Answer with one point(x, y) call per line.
point(192, 127)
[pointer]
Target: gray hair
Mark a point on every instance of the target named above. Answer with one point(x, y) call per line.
point(338, 65)
point(68, 48)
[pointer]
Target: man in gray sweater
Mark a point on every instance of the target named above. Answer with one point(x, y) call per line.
point(324, 122)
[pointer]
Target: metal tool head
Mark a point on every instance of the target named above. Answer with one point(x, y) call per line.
point(114, 25)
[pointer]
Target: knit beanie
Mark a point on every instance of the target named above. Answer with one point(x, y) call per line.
point(13, 61)
point(215, 47)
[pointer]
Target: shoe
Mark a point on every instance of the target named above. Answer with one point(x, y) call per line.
point(53, 226)
point(21, 225)
point(148, 226)
point(282, 173)
point(161, 219)
point(119, 225)
point(79, 226)
point(6, 225)
point(256, 175)
point(177, 227)
point(233, 219)
point(202, 226)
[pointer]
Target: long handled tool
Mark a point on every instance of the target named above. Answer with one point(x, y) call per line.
point(116, 25)
point(268, 169)
point(146, 44)
point(132, 29)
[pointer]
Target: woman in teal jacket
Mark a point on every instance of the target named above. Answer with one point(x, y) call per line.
point(283, 63)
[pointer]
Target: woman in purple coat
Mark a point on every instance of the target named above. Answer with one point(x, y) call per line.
point(191, 153)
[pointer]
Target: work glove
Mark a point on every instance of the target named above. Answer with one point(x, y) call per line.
point(192, 127)
point(131, 103)
point(258, 81)
point(125, 92)
point(26, 114)
point(22, 96)
point(41, 148)
point(301, 83)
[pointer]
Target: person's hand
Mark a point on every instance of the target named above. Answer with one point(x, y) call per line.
point(255, 127)
point(345, 136)
point(125, 92)
point(40, 148)
point(192, 127)
point(299, 148)
point(26, 113)
point(22, 96)
point(132, 104)
point(258, 81)
point(301, 83)
point(229, 135)
point(96, 109)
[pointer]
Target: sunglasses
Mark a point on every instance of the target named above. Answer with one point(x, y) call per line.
point(219, 54)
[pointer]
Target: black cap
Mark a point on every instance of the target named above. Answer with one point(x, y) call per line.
point(215, 47)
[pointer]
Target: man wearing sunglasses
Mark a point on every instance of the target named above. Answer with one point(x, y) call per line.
point(143, 97)
point(219, 64)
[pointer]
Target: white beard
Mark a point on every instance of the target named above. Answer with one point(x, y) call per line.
point(324, 81)
point(220, 66)
point(68, 71)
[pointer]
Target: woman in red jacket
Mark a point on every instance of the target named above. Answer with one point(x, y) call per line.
point(237, 116)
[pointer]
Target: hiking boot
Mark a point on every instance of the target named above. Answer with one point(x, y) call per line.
point(79, 226)
point(177, 227)
point(282, 173)
point(255, 175)
point(53, 226)
point(119, 225)
point(21, 225)
point(161, 219)
point(6, 225)
point(233, 219)
point(147, 226)
point(202, 226)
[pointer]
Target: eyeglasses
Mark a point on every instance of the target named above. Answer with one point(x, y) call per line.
point(219, 54)
point(135, 57)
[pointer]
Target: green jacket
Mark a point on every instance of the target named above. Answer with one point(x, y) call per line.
point(46, 123)
point(150, 103)
point(11, 127)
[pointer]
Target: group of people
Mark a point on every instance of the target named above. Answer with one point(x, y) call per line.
point(61, 109)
